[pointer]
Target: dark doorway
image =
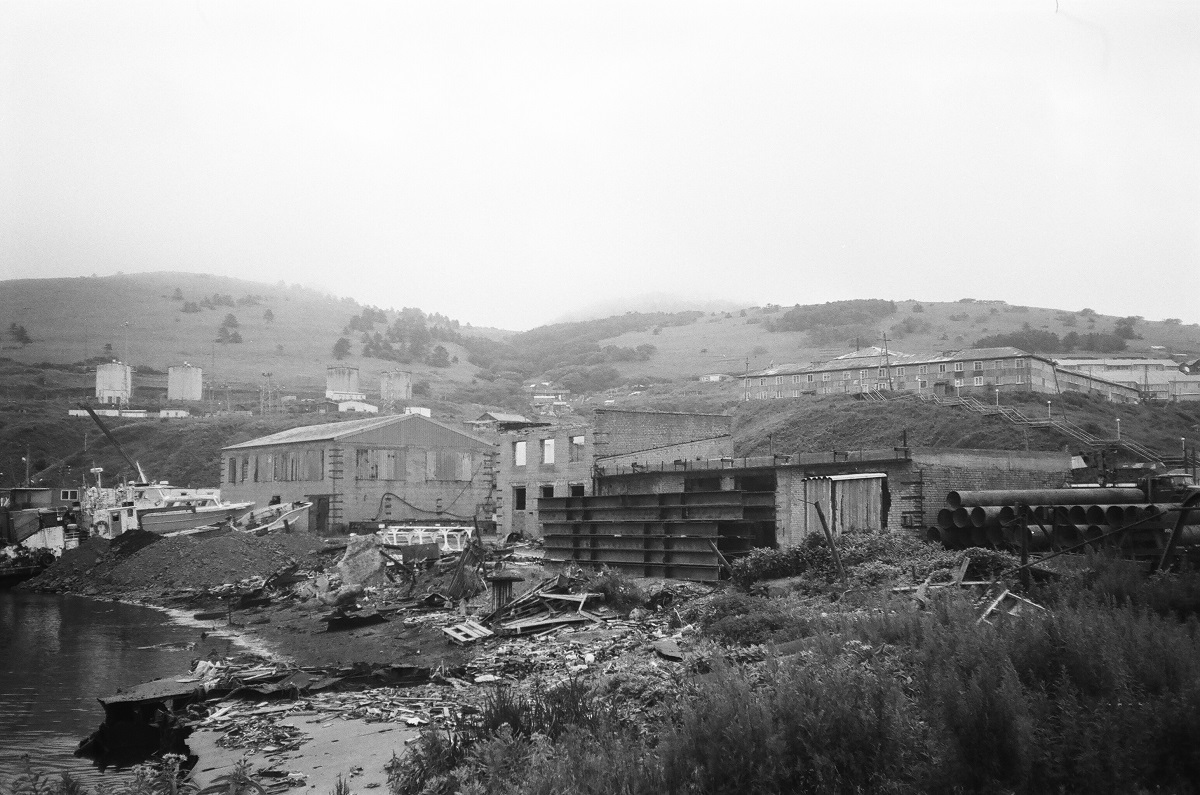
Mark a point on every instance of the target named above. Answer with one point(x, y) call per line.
point(577, 490)
point(318, 513)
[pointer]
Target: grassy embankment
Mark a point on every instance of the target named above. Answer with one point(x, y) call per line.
point(188, 451)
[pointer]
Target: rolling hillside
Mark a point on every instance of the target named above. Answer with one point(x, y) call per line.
point(733, 342)
point(72, 320)
point(290, 331)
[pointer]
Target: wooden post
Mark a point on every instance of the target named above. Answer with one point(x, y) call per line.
point(837, 559)
point(1026, 577)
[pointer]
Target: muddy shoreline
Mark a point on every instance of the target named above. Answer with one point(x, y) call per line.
point(281, 599)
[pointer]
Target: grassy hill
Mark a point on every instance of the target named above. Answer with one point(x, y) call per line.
point(73, 320)
point(732, 342)
point(290, 331)
point(635, 360)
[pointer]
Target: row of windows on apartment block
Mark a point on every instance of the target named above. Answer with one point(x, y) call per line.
point(520, 500)
point(899, 372)
point(369, 464)
point(574, 451)
point(958, 382)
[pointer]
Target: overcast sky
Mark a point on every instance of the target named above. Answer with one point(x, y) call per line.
point(506, 162)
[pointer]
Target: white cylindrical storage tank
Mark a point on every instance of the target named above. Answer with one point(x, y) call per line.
point(114, 383)
point(185, 383)
point(341, 383)
point(395, 385)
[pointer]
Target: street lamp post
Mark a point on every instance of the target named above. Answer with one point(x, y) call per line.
point(1048, 410)
point(1118, 429)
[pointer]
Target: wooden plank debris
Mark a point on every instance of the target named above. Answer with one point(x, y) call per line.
point(467, 632)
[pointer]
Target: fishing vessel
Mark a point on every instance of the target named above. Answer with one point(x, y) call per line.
point(158, 508)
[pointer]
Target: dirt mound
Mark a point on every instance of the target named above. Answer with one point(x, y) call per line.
point(143, 562)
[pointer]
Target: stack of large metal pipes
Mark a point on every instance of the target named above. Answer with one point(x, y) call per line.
point(1055, 517)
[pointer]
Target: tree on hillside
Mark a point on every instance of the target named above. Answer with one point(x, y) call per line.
point(439, 357)
point(177, 295)
point(224, 335)
point(268, 315)
point(341, 348)
point(230, 321)
point(108, 349)
point(19, 334)
point(1124, 328)
point(190, 307)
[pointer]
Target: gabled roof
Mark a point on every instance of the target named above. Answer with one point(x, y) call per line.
point(332, 431)
point(496, 416)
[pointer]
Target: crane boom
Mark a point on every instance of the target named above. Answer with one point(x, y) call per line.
point(104, 428)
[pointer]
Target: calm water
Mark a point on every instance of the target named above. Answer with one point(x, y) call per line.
point(58, 654)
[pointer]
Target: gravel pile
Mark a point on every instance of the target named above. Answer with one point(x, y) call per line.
point(143, 562)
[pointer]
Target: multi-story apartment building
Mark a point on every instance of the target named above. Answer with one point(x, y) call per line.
point(978, 371)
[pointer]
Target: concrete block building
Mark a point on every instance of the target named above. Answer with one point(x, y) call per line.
point(1154, 378)
point(554, 461)
point(982, 372)
point(397, 468)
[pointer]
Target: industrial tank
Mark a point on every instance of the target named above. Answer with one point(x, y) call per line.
point(114, 383)
point(185, 383)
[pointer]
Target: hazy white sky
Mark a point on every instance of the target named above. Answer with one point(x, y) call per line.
point(504, 162)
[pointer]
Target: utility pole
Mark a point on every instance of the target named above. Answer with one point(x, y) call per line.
point(28, 463)
point(126, 324)
point(887, 362)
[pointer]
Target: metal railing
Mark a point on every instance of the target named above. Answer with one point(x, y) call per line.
point(1014, 416)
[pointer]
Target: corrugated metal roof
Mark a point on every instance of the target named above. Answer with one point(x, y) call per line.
point(851, 476)
point(500, 417)
point(332, 431)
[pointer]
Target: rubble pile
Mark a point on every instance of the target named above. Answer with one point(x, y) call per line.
point(140, 564)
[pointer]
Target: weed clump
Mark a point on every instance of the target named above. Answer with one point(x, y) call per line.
point(620, 592)
point(738, 619)
point(869, 559)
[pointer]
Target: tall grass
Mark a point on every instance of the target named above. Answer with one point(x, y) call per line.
point(1097, 695)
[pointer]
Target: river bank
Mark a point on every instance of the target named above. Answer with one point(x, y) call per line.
point(202, 581)
point(363, 667)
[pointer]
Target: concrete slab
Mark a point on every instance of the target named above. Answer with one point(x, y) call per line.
point(353, 749)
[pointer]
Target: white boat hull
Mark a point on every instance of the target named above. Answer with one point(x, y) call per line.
point(273, 518)
point(176, 520)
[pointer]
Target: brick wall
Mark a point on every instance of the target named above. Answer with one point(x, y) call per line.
point(918, 484)
point(619, 432)
point(535, 474)
point(691, 451)
point(944, 472)
point(356, 496)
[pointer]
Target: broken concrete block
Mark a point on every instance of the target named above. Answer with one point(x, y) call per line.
point(362, 564)
point(668, 649)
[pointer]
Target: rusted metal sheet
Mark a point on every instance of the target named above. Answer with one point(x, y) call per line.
point(674, 534)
